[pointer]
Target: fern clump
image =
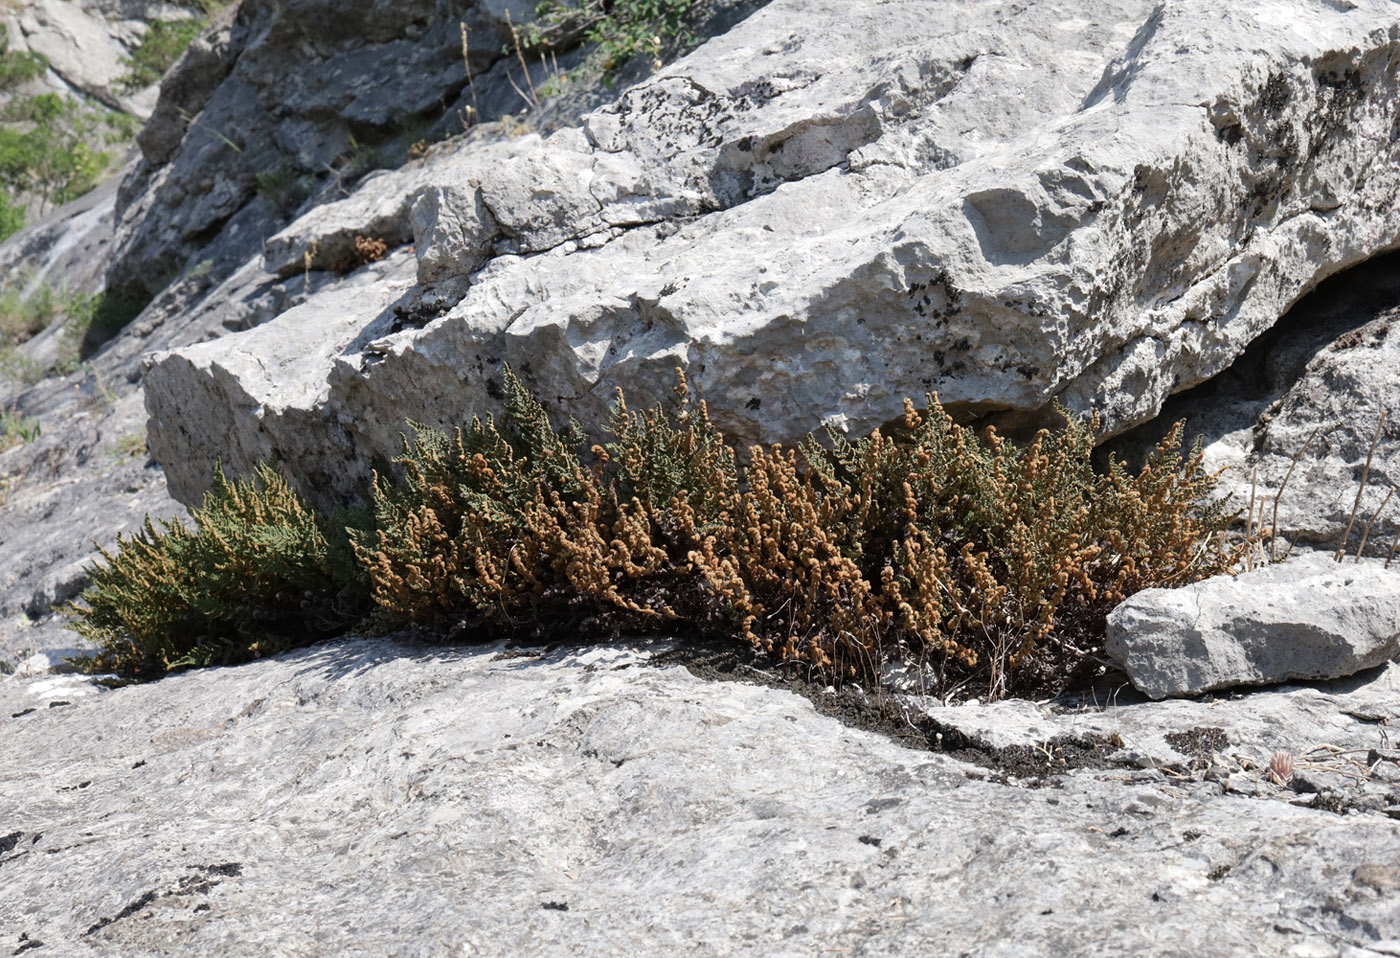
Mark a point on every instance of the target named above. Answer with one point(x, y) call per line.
point(260, 571)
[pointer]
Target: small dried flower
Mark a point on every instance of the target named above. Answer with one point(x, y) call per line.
point(1281, 767)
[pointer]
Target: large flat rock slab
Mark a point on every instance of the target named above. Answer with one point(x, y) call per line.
point(372, 797)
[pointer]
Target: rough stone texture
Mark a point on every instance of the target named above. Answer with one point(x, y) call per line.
point(374, 798)
point(85, 44)
point(1329, 366)
point(256, 95)
point(1104, 202)
point(1307, 618)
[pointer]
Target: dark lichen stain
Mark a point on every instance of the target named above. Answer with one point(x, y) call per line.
point(126, 912)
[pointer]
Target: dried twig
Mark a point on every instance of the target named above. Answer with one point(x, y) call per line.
point(1365, 474)
point(467, 65)
point(534, 98)
point(1249, 518)
point(1367, 533)
point(1273, 522)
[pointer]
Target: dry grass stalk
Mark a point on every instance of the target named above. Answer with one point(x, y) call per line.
point(1273, 521)
point(467, 65)
point(533, 99)
point(1365, 474)
point(1366, 534)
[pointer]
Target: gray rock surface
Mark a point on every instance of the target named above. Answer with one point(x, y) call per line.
point(368, 797)
point(1307, 618)
point(255, 120)
point(817, 223)
point(1313, 389)
point(86, 43)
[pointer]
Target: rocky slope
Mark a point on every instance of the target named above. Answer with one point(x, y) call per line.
point(821, 209)
point(1098, 202)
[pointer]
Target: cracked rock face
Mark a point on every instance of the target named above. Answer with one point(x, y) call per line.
point(372, 797)
point(1103, 202)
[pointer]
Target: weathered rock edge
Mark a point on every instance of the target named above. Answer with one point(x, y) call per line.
point(870, 209)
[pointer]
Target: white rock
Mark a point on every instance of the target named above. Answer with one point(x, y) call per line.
point(1005, 206)
point(1307, 618)
point(375, 797)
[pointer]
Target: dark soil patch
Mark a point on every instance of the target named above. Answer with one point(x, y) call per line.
point(882, 712)
point(1200, 743)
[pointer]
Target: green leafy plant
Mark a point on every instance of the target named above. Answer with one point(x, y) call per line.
point(259, 572)
point(617, 30)
point(16, 429)
point(18, 68)
point(24, 315)
point(162, 44)
point(11, 217)
point(46, 146)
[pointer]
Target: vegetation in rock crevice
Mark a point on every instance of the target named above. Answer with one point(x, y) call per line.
point(614, 30)
point(924, 542)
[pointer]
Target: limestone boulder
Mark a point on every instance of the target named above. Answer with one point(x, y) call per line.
point(1310, 617)
point(1103, 204)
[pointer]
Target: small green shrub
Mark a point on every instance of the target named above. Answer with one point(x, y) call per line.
point(15, 429)
point(617, 30)
point(47, 146)
point(23, 316)
point(259, 572)
point(161, 46)
point(11, 217)
point(16, 68)
point(924, 542)
point(502, 525)
point(285, 187)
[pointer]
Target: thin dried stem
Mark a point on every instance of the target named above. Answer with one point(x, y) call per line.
point(467, 65)
point(534, 98)
point(1273, 521)
point(1365, 474)
point(1249, 516)
point(1367, 533)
